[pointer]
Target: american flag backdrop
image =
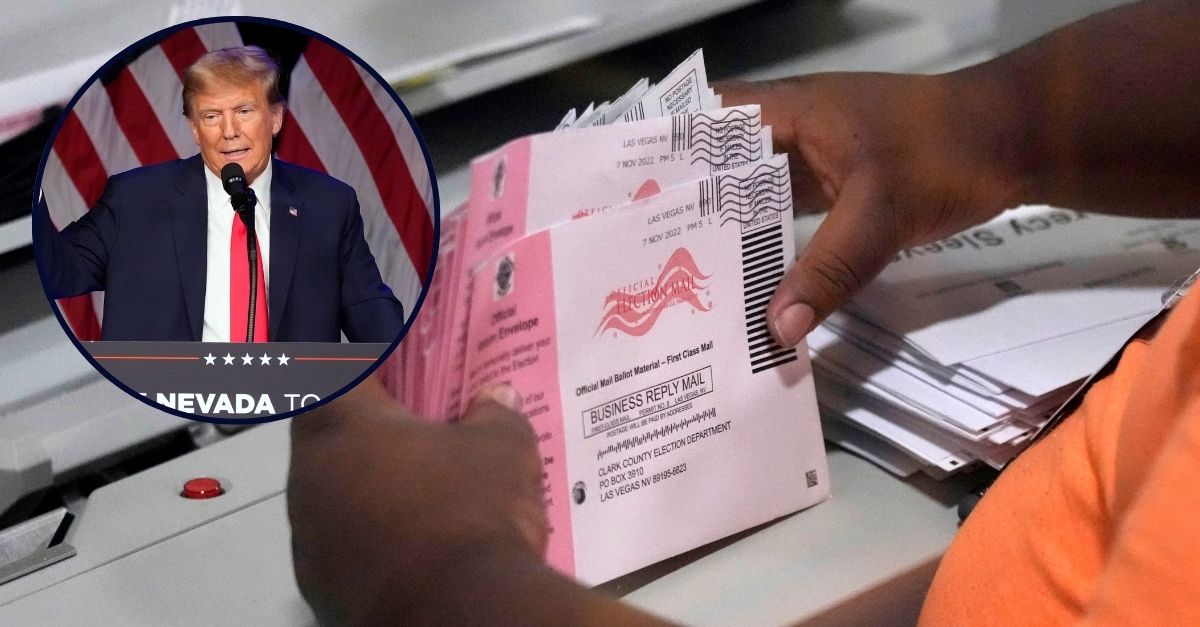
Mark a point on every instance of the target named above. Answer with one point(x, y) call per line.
point(339, 120)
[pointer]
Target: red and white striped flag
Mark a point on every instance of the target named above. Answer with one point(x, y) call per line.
point(339, 120)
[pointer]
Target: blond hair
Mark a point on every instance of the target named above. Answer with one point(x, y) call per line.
point(234, 66)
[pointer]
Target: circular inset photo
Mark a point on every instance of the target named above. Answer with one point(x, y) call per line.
point(237, 220)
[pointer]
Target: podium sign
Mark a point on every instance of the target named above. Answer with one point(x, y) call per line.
point(234, 381)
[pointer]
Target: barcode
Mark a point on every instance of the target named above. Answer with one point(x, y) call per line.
point(708, 196)
point(654, 434)
point(681, 132)
point(762, 269)
point(810, 478)
point(635, 113)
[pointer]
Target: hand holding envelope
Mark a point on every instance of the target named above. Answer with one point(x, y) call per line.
point(617, 275)
point(950, 342)
point(885, 184)
point(470, 498)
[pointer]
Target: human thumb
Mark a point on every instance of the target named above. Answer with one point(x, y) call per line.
point(493, 402)
point(852, 245)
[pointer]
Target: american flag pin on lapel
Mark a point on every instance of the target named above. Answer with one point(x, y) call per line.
point(293, 211)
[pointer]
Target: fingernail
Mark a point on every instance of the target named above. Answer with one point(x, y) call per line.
point(792, 324)
point(502, 393)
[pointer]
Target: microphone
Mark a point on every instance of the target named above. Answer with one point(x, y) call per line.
point(233, 179)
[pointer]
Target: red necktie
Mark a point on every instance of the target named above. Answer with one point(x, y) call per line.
point(239, 288)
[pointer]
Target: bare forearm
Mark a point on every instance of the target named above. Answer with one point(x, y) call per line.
point(1102, 114)
point(395, 521)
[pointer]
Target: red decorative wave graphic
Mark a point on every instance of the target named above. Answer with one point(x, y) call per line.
point(635, 313)
point(648, 189)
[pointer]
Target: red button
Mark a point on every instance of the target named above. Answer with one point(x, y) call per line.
point(202, 488)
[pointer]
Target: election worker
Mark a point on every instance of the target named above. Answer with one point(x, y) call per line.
point(169, 251)
point(1094, 524)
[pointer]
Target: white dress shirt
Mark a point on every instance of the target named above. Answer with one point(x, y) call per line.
point(220, 234)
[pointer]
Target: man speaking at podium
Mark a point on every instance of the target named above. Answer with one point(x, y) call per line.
point(171, 254)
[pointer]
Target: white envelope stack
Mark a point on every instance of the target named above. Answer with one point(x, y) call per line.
point(961, 349)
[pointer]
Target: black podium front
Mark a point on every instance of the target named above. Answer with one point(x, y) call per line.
point(235, 381)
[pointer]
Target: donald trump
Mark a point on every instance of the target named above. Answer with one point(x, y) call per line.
point(166, 246)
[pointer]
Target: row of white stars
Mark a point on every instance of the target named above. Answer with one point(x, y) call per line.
point(247, 359)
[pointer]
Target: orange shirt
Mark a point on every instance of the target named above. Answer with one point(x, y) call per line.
point(1098, 523)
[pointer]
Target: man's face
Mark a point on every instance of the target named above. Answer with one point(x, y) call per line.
point(233, 123)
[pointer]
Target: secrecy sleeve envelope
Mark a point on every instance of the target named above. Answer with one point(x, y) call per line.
point(666, 416)
point(1031, 275)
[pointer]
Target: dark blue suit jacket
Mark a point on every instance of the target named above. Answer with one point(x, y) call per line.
point(145, 244)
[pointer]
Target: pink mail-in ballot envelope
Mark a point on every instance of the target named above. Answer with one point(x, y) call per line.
point(542, 180)
point(666, 416)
